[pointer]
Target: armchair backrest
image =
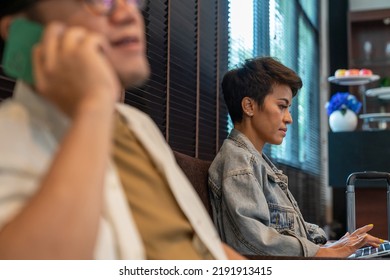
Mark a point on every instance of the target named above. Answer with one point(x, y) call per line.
point(196, 171)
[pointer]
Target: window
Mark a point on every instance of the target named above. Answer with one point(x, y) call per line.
point(288, 31)
point(241, 32)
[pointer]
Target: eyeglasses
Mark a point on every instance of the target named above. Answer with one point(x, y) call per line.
point(106, 7)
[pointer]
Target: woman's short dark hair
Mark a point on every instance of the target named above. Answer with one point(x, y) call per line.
point(255, 79)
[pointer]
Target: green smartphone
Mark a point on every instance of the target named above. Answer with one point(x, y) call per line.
point(17, 56)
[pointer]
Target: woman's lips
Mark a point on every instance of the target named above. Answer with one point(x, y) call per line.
point(284, 131)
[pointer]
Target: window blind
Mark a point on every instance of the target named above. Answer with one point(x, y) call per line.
point(187, 50)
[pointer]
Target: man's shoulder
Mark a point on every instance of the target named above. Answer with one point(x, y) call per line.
point(11, 111)
point(22, 143)
point(16, 119)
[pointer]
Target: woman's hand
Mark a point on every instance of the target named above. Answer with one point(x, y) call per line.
point(369, 239)
point(349, 243)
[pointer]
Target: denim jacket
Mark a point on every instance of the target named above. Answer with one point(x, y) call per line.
point(253, 210)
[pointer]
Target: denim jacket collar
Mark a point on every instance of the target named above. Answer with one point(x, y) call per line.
point(273, 173)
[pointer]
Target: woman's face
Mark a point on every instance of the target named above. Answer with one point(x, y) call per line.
point(269, 122)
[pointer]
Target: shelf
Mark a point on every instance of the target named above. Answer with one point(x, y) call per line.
point(381, 93)
point(353, 80)
point(375, 117)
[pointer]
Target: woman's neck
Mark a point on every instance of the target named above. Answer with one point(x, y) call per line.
point(248, 131)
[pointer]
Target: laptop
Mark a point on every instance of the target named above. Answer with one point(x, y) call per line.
point(371, 252)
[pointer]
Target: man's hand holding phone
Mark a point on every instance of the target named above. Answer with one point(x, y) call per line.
point(67, 65)
point(72, 71)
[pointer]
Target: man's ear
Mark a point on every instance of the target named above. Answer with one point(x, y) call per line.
point(247, 105)
point(5, 23)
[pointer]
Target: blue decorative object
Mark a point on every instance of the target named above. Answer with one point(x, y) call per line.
point(343, 101)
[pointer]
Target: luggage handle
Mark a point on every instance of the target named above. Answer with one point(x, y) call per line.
point(350, 193)
point(368, 175)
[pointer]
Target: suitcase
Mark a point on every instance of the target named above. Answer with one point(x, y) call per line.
point(350, 196)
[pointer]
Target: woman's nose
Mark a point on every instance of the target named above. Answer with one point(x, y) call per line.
point(287, 117)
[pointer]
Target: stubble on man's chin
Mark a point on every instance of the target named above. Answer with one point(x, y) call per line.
point(136, 79)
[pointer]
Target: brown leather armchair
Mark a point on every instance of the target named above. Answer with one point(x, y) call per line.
point(196, 171)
